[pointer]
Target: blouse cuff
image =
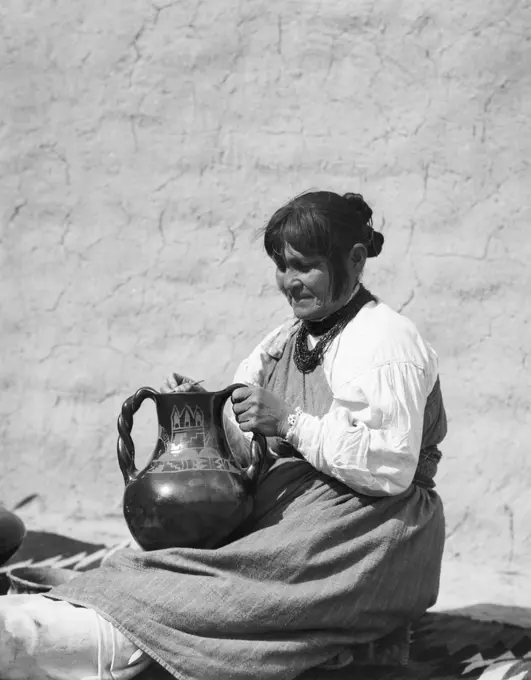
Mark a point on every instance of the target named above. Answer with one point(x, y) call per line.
point(305, 428)
point(292, 421)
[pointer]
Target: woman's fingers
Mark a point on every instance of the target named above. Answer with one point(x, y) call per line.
point(241, 394)
point(240, 407)
point(179, 380)
point(166, 386)
point(246, 426)
point(188, 387)
point(178, 383)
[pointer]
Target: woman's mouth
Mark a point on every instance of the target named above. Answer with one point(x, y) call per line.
point(296, 299)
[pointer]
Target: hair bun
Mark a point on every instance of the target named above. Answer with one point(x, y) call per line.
point(374, 248)
point(358, 203)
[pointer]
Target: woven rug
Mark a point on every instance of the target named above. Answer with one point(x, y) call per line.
point(444, 646)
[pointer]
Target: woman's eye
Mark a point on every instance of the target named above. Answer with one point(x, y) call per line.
point(295, 267)
point(304, 268)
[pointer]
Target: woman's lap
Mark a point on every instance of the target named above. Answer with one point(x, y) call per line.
point(317, 569)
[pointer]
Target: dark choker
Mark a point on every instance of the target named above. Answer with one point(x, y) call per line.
point(326, 330)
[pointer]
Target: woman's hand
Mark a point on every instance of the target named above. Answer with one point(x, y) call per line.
point(180, 383)
point(260, 411)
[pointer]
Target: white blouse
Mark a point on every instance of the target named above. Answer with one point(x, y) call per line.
point(381, 372)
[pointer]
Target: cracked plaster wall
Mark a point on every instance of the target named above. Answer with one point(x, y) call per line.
point(143, 146)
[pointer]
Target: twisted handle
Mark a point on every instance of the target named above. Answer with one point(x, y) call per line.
point(258, 442)
point(125, 446)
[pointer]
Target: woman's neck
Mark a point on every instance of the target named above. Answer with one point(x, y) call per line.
point(317, 327)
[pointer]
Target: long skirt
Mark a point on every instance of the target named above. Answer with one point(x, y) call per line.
point(318, 570)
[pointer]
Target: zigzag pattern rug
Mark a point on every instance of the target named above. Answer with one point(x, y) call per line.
point(444, 647)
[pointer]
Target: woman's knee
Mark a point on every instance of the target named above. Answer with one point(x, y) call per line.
point(44, 637)
point(19, 638)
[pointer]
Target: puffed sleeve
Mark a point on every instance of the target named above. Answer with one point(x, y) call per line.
point(373, 449)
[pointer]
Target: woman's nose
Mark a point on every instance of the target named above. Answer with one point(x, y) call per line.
point(291, 281)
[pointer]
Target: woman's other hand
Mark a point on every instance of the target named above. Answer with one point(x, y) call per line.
point(180, 383)
point(260, 411)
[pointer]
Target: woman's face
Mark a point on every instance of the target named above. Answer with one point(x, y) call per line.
point(306, 283)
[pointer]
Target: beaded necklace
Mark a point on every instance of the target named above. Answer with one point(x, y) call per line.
point(306, 359)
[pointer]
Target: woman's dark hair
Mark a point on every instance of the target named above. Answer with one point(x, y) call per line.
point(326, 224)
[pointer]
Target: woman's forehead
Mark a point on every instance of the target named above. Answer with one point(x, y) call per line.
point(291, 253)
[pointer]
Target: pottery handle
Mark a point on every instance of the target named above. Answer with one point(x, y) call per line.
point(258, 442)
point(258, 456)
point(125, 446)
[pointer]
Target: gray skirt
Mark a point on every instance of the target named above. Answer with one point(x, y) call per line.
point(317, 569)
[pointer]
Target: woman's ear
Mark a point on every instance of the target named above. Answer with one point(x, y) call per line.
point(358, 257)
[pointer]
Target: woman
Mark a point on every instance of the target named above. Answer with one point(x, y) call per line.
point(345, 542)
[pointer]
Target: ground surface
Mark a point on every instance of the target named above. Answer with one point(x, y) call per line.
point(143, 146)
